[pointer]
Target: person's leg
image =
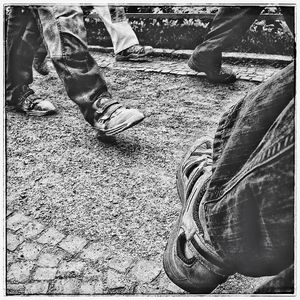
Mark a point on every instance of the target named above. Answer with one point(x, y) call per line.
point(64, 34)
point(18, 54)
point(40, 61)
point(289, 16)
point(226, 28)
point(124, 40)
point(21, 43)
point(237, 215)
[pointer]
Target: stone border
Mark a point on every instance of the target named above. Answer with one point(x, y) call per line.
point(232, 56)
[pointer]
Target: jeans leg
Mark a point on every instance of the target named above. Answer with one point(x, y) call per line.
point(65, 37)
point(249, 203)
point(227, 27)
point(243, 126)
point(120, 31)
point(289, 16)
point(41, 53)
point(22, 35)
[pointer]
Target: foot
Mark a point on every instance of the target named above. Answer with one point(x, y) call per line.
point(111, 117)
point(190, 260)
point(210, 64)
point(41, 66)
point(32, 105)
point(134, 53)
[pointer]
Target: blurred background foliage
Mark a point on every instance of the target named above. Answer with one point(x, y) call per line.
point(271, 37)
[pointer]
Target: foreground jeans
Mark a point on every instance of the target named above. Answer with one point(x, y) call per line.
point(64, 34)
point(230, 23)
point(249, 203)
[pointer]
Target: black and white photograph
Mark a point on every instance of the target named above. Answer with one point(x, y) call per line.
point(149, 149)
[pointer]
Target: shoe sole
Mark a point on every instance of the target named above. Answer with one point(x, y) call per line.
point(134, 57)
point(36, 113)
point(41, 113)
point(132, 121)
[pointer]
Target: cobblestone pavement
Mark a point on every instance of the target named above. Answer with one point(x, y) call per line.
point(252, 73)
point(42, 260)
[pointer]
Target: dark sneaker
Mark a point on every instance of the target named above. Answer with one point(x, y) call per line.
point(134, 53)
point(111, 117)
point(210, 64)
point(190, 260)
point(32, 105)
point(41, 66)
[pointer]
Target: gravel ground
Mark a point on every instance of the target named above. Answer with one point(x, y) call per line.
point(120, 191)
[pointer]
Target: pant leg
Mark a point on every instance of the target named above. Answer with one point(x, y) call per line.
point(41, 53)
point(289, 16)
point(22, 39)
point(64, 34)
point(116, 23)
point(249, 205)
point(229, 24)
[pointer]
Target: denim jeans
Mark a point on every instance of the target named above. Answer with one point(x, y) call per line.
point(63, 32)
point(22, 41)
point(230, 23)
point(249, 203)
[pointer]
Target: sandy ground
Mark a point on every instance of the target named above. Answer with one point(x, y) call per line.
point(121, 192)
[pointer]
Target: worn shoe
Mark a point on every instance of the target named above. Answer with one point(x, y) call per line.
point(32, 105)
point(210, 64)
point(111, 117)
point(134, 53)
point(190, 260)
point(41, 66)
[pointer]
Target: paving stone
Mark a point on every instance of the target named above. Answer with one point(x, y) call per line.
point(10, 257)
point(49, 260)
point(20, 271)
point(257, 78)
point(91, 273)
point(120, 263)
point(68, 286)
point(15, 289)
point(73, 244)
point(115, 280)
point(165, 71)
point(51, 237)
point(87, 288)
point(183, 53)
point(182, 73)
point(91, 288)
point(36, 288)
point(166, 284)
point(70, 269)
point(13, 241)
point(44, 273)
point(146, 271)
point(32, 229)
point(17, 221)
point(192, 73)
point(244, 77)
point(94, 252)
point(29, 251)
